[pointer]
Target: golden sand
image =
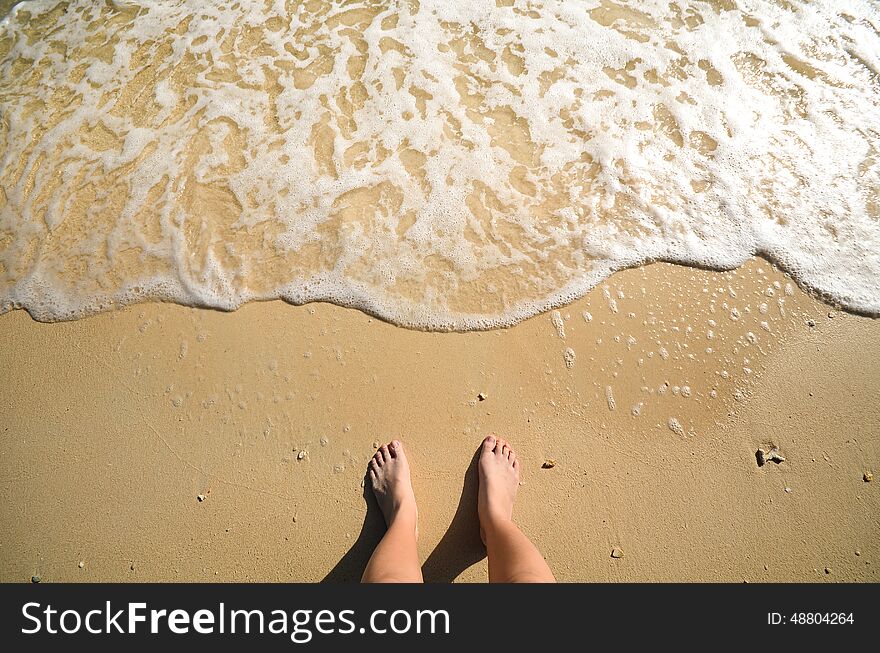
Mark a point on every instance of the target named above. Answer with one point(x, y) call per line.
point(113, 426)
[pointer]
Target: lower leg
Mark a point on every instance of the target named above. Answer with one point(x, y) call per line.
point(512, 556)
point(396, 557)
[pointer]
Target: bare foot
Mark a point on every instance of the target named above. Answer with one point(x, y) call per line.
point(499, 481)
point(389, 475)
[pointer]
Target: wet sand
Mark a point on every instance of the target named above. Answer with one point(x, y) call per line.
point(114, 426)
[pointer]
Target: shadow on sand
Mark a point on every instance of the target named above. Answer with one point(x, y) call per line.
point(459, 548)
point(351, 566)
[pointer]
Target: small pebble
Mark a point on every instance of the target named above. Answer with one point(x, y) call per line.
point(788, 490)
point(301, 455)
point(549, 464)
point(858, 553)
point(616, 552)
point(81, 564)
point(773, 455)
point(867, 477)
point(375, 444)
point(482, 396)
point(36, 578)
point(201, 498)
point(827, 570)
point(811, 323)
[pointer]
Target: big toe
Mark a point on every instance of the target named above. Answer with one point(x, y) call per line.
point(395, 448)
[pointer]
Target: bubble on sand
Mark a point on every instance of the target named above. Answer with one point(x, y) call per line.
point(569, 357)
point(609, 397)
point(558, 324)
point(675, 426)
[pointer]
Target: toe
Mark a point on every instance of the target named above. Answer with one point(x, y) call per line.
point(374, 466)
point(378, 459)
point(386, 455)
point(505, 450)
point(499, 446)
point(511, 456)
point(372, 474)
point(488, 443)
point(396, 448)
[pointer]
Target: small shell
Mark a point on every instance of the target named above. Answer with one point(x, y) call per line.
point(549, 464)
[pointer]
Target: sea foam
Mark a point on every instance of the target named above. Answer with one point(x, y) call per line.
point(443, 165)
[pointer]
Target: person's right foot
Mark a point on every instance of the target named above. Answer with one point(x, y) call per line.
point(499, 481)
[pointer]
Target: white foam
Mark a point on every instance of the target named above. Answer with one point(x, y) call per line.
point(488, 188)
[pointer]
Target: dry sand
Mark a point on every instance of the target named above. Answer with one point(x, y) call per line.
point(115, 425)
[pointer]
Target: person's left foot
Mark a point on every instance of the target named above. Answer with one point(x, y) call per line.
point(389, 476)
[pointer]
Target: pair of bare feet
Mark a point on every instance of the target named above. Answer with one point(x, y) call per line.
point(512, 556)
point(499, 479)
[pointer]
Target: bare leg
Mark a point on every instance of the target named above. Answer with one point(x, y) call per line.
point(396, 558)
point(512, 556)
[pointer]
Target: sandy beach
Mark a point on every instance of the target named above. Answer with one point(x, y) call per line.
point(242, 245)
point(165, 443)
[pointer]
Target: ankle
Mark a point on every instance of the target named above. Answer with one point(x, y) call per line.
point(494, 524)
point(405, 513)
